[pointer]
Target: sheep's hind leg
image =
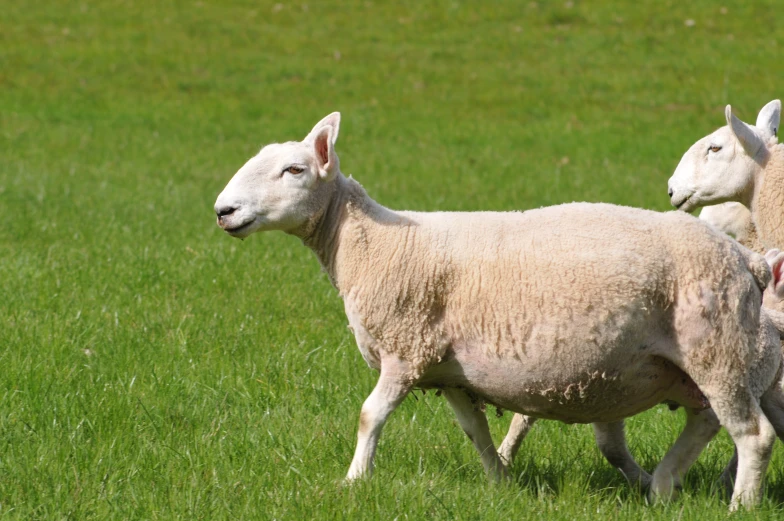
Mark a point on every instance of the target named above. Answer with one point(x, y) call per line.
point(518, 430)
point(392, 387)
point(754, 437)
point(612, 443)
point(750, 430)
point(772, 404)
point(701, 427)
point(474, 423)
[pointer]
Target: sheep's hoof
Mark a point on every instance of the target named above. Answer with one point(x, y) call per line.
point(643, 482)
point(506, 458)
point(664, 493)
point(354, 477)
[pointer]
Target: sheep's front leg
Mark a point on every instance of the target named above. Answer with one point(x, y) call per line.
point(474, 423)
point(392, 387)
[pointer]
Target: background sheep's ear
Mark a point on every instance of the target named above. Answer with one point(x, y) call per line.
point(332, 121)
point(769, 117)
point(324, 147)
point(746, 135)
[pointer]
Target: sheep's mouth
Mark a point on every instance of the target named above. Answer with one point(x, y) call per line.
point(685, 205)
point(237, 230)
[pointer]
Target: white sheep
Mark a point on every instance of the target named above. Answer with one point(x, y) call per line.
point(581, 312)
point(741, 163)
point(731, 218)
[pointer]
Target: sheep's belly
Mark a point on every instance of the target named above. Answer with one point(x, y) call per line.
point(587, 396)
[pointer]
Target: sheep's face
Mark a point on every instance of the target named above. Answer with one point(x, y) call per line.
point(715, 169)
point(283, 186)
point(723, 165)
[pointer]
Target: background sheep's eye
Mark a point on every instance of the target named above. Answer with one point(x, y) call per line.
point(295, 169)
point(714, 149)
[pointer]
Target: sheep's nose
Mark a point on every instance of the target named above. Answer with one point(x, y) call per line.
point(669, 192)
point(223, 211)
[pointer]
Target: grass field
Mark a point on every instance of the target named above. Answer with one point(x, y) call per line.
point(154, 368)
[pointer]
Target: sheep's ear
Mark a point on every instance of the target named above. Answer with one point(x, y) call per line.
point(323, 141)
point(775, 260)
point(746, 135)
point(769, 117)
point(332, 121)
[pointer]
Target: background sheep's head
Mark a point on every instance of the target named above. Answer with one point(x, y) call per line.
point(284, 186)
point(722, 166)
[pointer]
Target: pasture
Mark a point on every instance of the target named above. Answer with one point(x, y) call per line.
point(152, 367)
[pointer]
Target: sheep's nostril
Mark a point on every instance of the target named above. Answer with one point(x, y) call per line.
point(226, 210)
point(669, 192)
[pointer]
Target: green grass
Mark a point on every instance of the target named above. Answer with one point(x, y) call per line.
point(151, 367)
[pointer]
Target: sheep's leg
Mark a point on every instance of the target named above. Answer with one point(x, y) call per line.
point(772, 404)
point(752, 434)
point(754, 437)
point(474, 423)
point(609, 437)
point(518, 430)
point(612, 443)
point(701, 427)
point(391, 389)
point(727, 479)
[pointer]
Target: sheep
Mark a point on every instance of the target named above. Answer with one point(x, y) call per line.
point(738, 162)
point(610, 437)
point(732, 218)
point(581, 312)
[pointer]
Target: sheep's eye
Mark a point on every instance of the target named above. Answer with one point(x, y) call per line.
point(714, 149)
point(294, 169)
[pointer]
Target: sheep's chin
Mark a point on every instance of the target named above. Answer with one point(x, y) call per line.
point(243, 230)
point(687, 205)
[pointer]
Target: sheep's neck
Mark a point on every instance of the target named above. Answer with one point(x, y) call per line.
point(321, 233)
point(342, 225)
point(768, 201)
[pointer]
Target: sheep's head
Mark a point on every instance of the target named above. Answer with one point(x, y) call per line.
point(284, 186)
point(723, 165)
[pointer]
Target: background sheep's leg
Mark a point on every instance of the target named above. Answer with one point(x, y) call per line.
point(518, 430)
point(474, 423)
point(701, 427)
point(727, 479)
point(772, 404)
point(612, 443)
point(391, 389)
point(609, 437)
